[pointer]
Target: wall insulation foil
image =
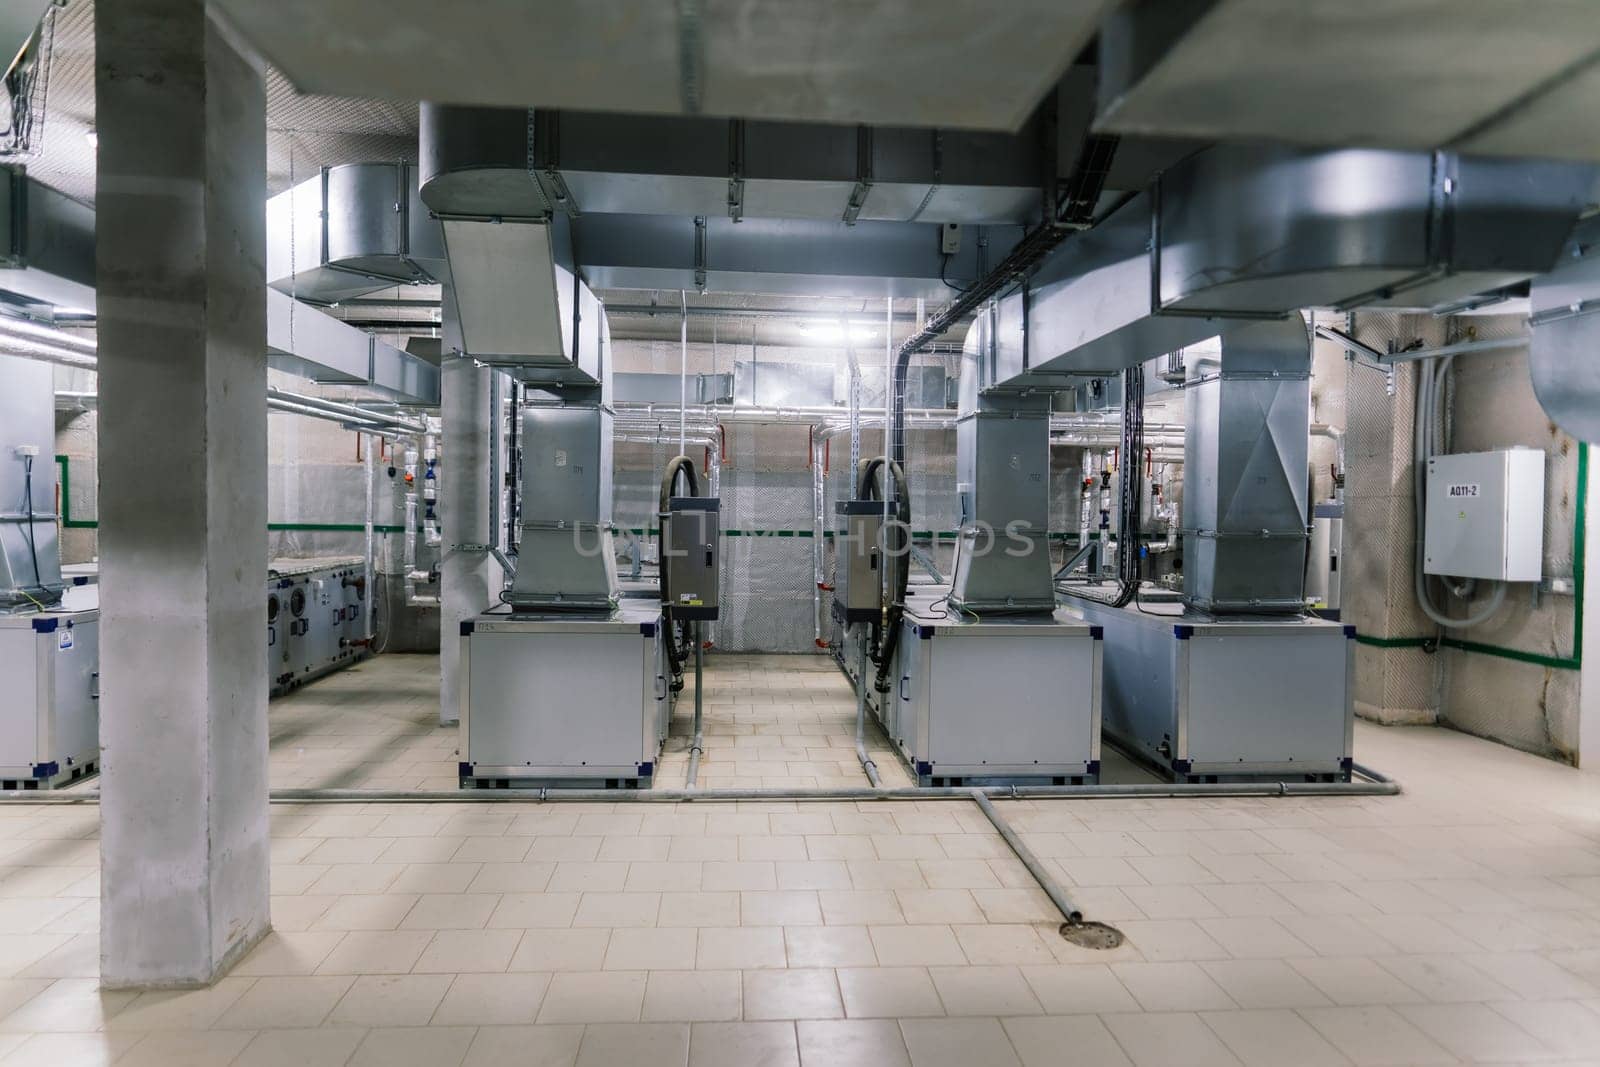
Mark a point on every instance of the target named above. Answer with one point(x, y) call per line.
point(1397, 683)
point(766, 522)
point(1486, 694)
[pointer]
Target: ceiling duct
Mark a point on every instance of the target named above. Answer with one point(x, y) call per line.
point(1482, 76)
point(1239, 233)
point(519, 301)
point(1565, 323)
point(352, 230)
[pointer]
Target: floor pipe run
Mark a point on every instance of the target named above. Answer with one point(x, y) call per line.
point(1070, 912)
point(697, 746)
point(861, 713)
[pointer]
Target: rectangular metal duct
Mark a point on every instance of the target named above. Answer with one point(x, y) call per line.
point(1566, 336)
point(518, 301)
point(1482, 75)
point(1002, 561)
point(1240, 233)
point(351, 230)
point(1245, 486)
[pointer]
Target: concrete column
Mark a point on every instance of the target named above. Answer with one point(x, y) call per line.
point(181, 249)
point(471, 580)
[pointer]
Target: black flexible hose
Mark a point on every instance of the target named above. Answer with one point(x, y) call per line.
point(676, 655)
point(887, 636)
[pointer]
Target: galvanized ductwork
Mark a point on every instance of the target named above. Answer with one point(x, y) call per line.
point(352, 230)
point(1002, 561)
point(519, 300)
point(1256, 232)
point(1245, 487)
point(521, 306)
point(1566, 335)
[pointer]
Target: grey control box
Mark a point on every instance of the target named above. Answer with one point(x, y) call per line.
point(692, 527)
point(859, 562)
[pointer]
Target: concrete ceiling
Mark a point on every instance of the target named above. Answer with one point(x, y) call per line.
point(304, 132)
point(948, 63)
point(1482, 76)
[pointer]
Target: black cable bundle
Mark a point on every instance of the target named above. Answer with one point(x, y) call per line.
point(678, 644)
point(1130, 500)
point(886, 635)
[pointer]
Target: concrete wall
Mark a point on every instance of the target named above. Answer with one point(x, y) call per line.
point(1517, 684)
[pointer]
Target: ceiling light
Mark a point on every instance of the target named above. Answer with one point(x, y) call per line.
point(835, 333)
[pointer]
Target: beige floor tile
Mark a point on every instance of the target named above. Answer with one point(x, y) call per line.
point(915, 946)
point(390, 1000)
point(1375, 1035)
point(792, 994)
point(526, 1046)
point(561, 950)
point(888, 992)
point(188, 1009)
point(1261, 984)
point(852, 1043)
point(468, 951)
point(80, 1050)
point(186, 1049)
point(376, 952)
point(328, 1047)
point(594, 997)
point(1172, 987)
point(780, 908)
point(412, 1046)
point(608, 1044)
point(1263, 1038)
point(993, 990)
point(492, 1000)
point(692, 996)
point(1175, 1040)
point(650, 949)
point(743, 1044)
point(618, 909)
point(742, 948)
point(529, 910)
point(285, 1003)
point(67, 1005)
point(958, 1043)
point(450, 911)
point(1046, 1042)
point(366, 912)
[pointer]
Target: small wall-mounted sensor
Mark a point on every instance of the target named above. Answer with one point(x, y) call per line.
point(26, 451)
point(950, 238)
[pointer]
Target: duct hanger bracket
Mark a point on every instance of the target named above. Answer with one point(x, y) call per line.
point(736, 170)
point(700, 252)
point(863, 186)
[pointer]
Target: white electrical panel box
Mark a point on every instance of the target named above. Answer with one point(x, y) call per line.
point(1486, 515)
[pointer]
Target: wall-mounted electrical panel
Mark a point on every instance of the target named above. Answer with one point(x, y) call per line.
point(1486, 515)
point(692, 532)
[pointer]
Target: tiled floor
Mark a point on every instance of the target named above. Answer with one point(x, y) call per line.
point(1459, 922)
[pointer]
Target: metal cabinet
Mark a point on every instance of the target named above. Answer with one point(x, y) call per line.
point(50, 698)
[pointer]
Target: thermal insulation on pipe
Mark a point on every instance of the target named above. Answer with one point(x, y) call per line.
point(45, 353)
point(353, 411)
point(48, 335)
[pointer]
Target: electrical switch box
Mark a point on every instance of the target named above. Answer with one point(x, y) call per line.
point(691, 531)
point(1485, 515)
point(859, 562)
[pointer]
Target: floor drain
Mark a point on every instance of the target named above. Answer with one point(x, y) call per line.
point(1092, 935)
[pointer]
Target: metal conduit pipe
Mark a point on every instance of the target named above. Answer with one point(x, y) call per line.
point(49, 335)
point(398, 422)
point(44, 353)
point(1070, 912)
point(1375, 785)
